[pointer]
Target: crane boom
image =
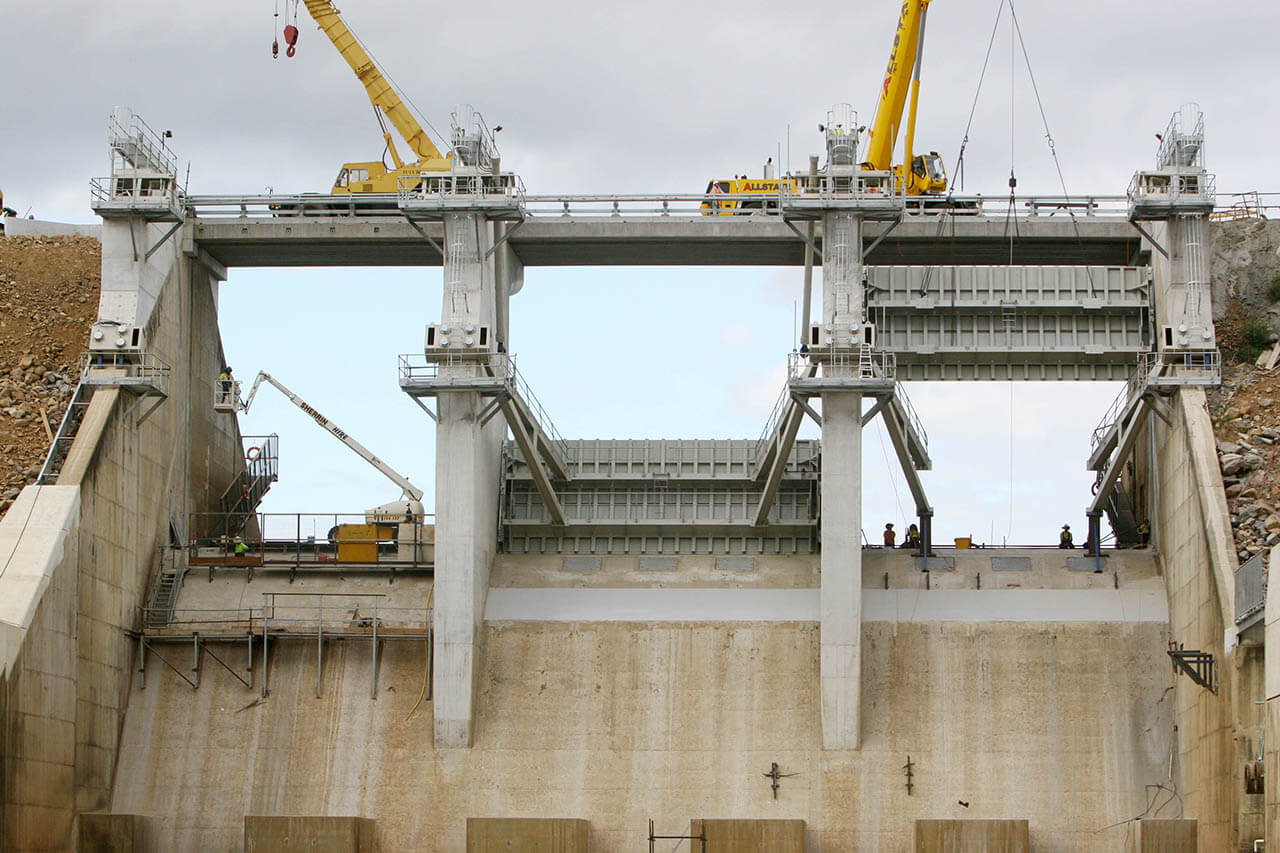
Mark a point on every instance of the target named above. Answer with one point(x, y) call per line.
point(382, 95)
point(897, 83)
point(411, 491)
point(918, 175)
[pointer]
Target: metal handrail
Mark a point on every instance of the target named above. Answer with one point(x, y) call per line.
point(633, 205)
point(126, 131)
point(295, 540)
point(129, 367)
point(415, 367)
point(843, 363)
point(771, 425)
point(900, 393)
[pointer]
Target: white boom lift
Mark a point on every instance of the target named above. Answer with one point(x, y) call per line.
point(407, 511)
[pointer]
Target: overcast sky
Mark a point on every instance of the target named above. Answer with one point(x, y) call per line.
point(639, 98)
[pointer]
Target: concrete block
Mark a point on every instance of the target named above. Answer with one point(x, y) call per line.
point(973, 836)
point(582, 564)
point(1165, 836)
point(735, 564)
point(1085, 564)
point(114, 833)
point(1010, 564)
point(543, 835)
point(657, 564)
point(748, 836)
point(271, 834)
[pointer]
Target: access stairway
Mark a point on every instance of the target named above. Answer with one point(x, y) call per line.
point(241, 498)
point(66, 435)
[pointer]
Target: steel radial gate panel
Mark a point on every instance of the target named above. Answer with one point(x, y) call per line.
point(999, 323)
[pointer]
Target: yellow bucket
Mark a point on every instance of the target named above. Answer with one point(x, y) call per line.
point(964, 541)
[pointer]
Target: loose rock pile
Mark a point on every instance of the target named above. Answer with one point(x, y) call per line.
point(48, 299)
point(1247, 426)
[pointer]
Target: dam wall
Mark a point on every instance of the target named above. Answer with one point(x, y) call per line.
point(1004, 713)
point(125, 491)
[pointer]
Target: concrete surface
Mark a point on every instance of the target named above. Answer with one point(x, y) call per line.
point(38, 535)
point(803, 605)
point(535, 835)
point(307, 834)
point(1193, 533)
point(15, 226)
point(468, 456)
point(972, 836)
point(747, 836)
point(711, 240)
point(1061, 723)
point(112, 833)
point(63, 702)
point(1165, 836)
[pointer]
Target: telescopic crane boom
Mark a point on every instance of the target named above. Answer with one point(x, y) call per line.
point(412, 492)
point(918, 174)
point(374, 176)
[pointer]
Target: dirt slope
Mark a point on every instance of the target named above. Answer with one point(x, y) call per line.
point(48, 298)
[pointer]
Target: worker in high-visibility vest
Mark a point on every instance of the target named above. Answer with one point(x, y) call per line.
point(1065, 539)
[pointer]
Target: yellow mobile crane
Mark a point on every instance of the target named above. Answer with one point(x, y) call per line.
point(374, 176)
point(926, 175)
point(919, 174)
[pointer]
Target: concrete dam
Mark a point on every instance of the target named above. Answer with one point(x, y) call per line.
point(602, 644)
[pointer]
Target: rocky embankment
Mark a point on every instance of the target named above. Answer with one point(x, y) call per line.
point(48, 299)
point(1246, 413)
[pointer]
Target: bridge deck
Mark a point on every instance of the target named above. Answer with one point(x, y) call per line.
point(567, 231)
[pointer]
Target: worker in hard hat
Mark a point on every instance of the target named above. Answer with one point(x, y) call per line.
point(1065, 539)
point(889, 536)
point(224, 385)
point(240, 548)
point(913, 537)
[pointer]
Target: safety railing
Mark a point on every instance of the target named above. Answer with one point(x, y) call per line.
point(133, 190)
point(478, 364)
point(1138, 379)
point(539, 413)
point(261, 455)
point(1186, 367)
point(415, 368)
point(843, 364)
point(1172, 188)
point(336, 612)
point(1251, 587)
point(1182, 143)
point(1250, 205)
point(284, 613)
point(913, 419)
point(140, 147)
point(312, 540)
point(771, 425)
point(638, 206)
point(459, 186)
point(858, 186)
point(226, 395)
point(128, 369)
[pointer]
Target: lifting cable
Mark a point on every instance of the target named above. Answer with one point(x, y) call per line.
point(399, 91)
point(889, 467)
point(1053, 151)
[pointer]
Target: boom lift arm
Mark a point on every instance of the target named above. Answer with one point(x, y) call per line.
point(412, 492)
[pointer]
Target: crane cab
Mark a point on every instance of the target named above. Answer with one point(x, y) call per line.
point(928, 174)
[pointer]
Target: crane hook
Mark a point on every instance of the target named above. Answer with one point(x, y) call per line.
point(275, 49)
point(291, 38)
